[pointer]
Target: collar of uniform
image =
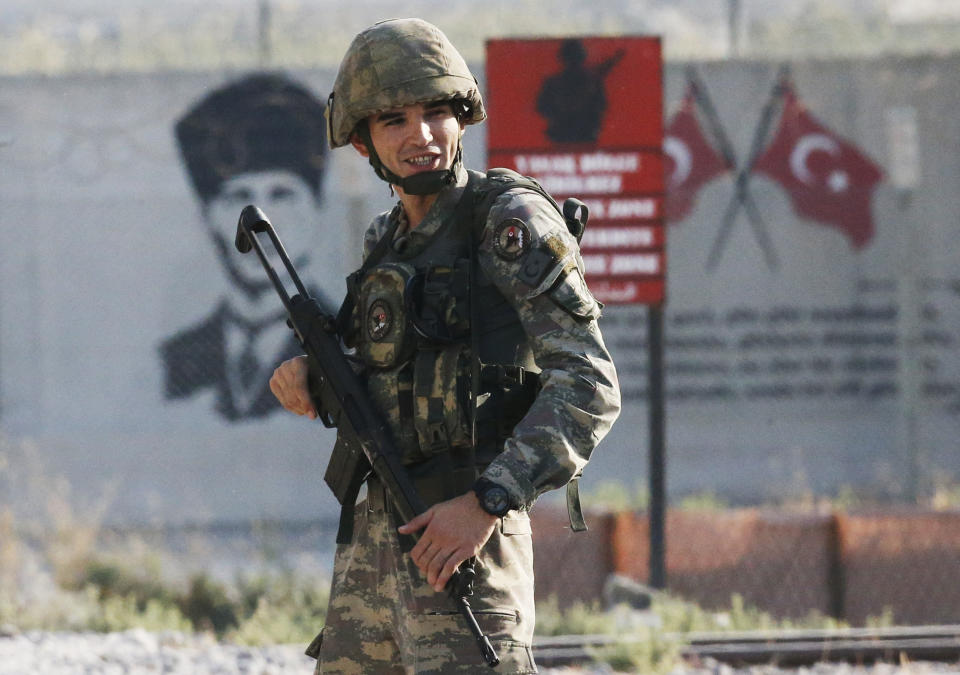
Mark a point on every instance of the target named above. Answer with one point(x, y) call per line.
point(447, 201)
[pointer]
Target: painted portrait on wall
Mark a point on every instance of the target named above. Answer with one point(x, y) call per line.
point(257, 140)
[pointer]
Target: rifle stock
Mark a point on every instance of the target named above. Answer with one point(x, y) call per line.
point(366, 444)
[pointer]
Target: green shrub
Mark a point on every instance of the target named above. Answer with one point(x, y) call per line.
point(281, 609)
point(639, 648)
point(703, 501)
point(644, 649)
point(612, 495)
point(207, 605)
point(654, 643)
point(141, 580)
point(118, 613)
point(578, 619)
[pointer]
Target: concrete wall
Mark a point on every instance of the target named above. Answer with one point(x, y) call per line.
point(104, 256)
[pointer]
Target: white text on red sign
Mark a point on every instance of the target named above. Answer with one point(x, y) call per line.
point(584, 163)
point(590, 173)
point(600, 264)
point(622, 208)
point(618, 237)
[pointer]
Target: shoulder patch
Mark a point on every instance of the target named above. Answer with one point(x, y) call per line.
point(557, 248)
point(511, 239)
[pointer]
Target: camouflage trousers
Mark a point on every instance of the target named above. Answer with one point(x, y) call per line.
point(384, 618)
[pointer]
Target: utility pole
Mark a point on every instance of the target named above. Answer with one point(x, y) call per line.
point(263, 33)
point(902, 139)
point(4, 141)
point(658, 479)
point(734, 26)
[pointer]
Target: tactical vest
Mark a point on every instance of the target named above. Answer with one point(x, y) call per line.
point(447, 376)
point(451, 380)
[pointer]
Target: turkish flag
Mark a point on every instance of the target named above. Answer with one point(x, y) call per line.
point(689, 160)
point(828, 179)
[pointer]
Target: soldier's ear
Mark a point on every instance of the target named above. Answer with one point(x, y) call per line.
point(359, 145)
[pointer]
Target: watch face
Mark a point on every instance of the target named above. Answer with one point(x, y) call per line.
point(496, 501)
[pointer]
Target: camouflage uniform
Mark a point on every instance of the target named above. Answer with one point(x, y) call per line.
point(382, 613)
point(383, 617)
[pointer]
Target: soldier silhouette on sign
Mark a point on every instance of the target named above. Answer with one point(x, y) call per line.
point(574, 100)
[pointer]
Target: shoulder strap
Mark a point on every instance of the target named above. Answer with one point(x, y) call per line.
point(574, 212)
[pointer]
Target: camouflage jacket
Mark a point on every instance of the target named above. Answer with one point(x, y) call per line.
point(580, 395)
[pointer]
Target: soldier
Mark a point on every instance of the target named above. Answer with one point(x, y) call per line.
point(481, 349)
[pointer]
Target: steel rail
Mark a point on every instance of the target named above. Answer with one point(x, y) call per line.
point(785, 648)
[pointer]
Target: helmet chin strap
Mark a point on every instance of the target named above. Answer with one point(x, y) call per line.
point(421, 183)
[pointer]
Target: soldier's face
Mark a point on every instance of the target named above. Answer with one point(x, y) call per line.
point(287, 201)
point(415, 138)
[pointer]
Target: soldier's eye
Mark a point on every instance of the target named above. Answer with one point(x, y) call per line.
point(391, 119)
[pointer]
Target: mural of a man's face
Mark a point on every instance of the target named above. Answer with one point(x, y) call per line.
point(258, 140)
point(289, 203)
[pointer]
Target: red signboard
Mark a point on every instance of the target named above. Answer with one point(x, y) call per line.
point(584, 116)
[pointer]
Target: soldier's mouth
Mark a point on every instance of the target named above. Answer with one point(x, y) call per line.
point(423, 161)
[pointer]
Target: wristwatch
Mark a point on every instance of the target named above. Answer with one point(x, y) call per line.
point(494, 498)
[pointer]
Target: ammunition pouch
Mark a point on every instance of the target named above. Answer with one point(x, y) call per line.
point(441, 405)
point(438, 304)
point(386, 335)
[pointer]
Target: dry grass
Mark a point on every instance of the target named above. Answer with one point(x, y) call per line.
point(61, 569)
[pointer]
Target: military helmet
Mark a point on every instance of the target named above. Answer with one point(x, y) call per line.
point(395, 63)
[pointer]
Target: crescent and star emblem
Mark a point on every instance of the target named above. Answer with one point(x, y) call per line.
point(838, 180)
point(682, 160)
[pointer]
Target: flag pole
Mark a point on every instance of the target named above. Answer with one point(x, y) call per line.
point(741, 194)
point(702, 100)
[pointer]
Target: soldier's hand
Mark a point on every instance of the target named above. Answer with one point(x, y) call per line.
point(289, 385)
point(453, 531)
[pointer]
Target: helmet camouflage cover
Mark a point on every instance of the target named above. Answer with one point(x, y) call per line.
point(396, 63)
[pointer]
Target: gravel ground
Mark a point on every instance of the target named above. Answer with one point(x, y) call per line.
point(138, 652)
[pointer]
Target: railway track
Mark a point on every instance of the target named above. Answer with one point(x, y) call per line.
point(783, 648)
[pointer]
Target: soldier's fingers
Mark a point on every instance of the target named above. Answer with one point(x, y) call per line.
point(304, 403)
point(281, 376)
point(432, 555)
point(419, 550)
point(453, 563)
point(435, 567)
point(432, 560)
point(275, 385)
point(280, 390)
point(292, 371)
point(298, 382)
point(416, 523)
point(283, 396)
point(293, 374)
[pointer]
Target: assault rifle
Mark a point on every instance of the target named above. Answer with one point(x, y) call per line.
point(366, 445)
